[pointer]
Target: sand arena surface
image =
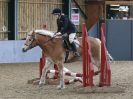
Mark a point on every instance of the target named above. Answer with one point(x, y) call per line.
point(14, 77)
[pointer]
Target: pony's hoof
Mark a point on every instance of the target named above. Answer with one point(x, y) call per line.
point(41, 84)
point(60, 87)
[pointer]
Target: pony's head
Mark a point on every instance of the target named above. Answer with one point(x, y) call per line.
point(30, 41)
point(33, 37)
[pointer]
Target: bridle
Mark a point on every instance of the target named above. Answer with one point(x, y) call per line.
point(30, 44)
point(44, 43)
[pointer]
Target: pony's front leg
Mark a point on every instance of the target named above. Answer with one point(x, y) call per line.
point(61, 77)
point(44, 72)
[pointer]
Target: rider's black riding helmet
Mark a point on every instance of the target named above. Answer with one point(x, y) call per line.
point(56, 11)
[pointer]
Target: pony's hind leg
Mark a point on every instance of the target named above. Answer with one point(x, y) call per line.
point(44, 72)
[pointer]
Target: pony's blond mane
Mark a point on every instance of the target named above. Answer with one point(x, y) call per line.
point(44, 32)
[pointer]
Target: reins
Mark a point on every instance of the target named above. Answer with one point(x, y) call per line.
point(44, 43)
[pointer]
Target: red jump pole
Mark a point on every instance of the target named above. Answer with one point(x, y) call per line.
point(88, 70)
point(42, 63)
point(105, 75)
point(56, 73)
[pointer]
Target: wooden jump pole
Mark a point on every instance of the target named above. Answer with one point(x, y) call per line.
point(105, 71)
point(88, 70)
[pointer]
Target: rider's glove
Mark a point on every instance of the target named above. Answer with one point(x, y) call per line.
point(57, 33)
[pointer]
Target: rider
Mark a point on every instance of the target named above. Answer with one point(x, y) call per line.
point(65, 25)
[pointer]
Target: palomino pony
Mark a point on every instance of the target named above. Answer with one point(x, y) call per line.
point(55, 52)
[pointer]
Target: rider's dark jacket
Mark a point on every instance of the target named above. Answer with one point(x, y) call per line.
point(65, 25)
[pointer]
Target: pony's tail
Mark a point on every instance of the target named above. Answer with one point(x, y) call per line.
point(109, 57)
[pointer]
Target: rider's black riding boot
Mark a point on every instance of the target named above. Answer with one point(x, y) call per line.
point(74, 49)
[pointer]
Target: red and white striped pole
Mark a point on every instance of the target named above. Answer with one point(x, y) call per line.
point(75, 76)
